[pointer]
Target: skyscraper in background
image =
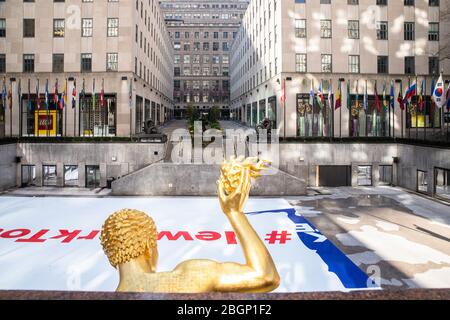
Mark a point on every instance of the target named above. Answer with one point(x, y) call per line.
point(202, 33)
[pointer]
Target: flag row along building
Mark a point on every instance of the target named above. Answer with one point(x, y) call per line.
point(343, 68)
point(83, 67)
point(105, 67)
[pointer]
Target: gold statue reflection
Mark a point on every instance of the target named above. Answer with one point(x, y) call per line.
point(129, 239)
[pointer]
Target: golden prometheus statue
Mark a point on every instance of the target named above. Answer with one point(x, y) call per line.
point(129, 239)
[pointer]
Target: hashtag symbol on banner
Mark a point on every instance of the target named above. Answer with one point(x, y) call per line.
point(278, 236)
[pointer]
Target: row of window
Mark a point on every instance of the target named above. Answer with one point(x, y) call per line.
point(201, 98)
point(382, 28)
point(205, 59)
point(213, 85)
point(206, 34)
point(354, 64)
point(197, 46)
point(112, 62)
point(205, 71)
point(407, 3)
point(59, 27)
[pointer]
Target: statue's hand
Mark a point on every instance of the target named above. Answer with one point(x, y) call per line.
point(235, 201)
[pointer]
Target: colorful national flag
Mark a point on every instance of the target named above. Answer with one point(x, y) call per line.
point(83, 95)
point(330, 95)
point(63, 101)
point(46, 96)
point(377, 99)
point(283, 92)
point(56, 94)
point(102, 94)
point(410, 92)
point(349, 101)
point(320, 98)
point(338, 103)
point(94, 99)
point(130, 93)
point(385, 102)
point(10, 98)
point(447, 96)
point(400, 97)
point(30, 105)
point(19, 93)
point(4, 93)
point(422, 90)
point(438, 93)
point(392, 96)
point(357, 95)
point(433, 85)
point(311, 93)
point(38, 96)
point(366, 97)
point(74, 94)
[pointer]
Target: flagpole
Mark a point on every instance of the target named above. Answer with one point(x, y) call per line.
point(340, 111)
point(10, 110)
point(424, 111)
point(417, 109)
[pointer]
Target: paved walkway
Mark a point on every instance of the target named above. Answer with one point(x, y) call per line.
point(399, 237)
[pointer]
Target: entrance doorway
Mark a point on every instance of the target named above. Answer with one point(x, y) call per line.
point(92, 177)
point(334, 176)
point(28, 176)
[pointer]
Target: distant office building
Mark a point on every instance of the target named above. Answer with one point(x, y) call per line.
point(286, 49)
point(117, 53)
point(202, 33)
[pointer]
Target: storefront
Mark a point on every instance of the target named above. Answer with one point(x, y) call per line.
point(40, 121)
point(313, 120)
point(97, 120)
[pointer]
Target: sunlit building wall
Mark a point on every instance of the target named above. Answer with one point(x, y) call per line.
point(122, 46)
point(292, 46)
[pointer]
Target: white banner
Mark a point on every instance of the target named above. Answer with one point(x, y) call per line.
point(53, 243)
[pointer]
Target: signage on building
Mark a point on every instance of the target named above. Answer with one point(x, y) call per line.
point(59, 248)
point(45, 123)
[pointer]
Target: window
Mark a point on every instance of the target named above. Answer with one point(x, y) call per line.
point(325, 28)
point(2, 28)
point(381, 2)
point(433, 3)
point(433, 31)
point(49, 175)
point(70, 176)
point(300, 28)
point(86, 62)
point(113, 27)
point(300, 62)
point(364, 175)
point(422, 181)
point(383, 64)
point(326, 63)
point(353, 29)
point(410, 65)
point(58, 28)
point(433, 65)
point(86, 27)
point(382, 30)
point(58, 63)
point(28, 28)
point(28, 63)
point(2, 63)
point(442, 183)
point(353, 64)
point(112, 62)
point(409, 31)
point(409, 2)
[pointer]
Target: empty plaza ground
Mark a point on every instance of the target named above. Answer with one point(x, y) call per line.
point(401, 240)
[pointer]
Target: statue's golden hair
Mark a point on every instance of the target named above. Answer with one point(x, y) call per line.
point(126, 235)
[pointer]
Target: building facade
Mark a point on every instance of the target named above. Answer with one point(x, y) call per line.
point(287, 49)
point(114, 57)
point(202, 33)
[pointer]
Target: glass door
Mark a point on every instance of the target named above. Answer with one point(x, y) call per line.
point(92, 177)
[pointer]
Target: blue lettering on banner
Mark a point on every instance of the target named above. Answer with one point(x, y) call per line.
point(351, 276)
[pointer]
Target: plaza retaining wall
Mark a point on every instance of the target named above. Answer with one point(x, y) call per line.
point(8, 166)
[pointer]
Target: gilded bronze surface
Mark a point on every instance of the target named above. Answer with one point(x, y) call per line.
point(129, 241)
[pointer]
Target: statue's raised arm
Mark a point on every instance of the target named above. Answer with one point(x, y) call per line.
point(129, 240)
